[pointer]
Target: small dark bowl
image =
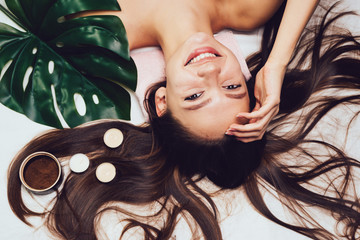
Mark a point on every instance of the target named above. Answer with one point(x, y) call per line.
point(45, 169)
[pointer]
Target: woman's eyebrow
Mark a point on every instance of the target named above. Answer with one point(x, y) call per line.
point(236, 95)
point(198, 105)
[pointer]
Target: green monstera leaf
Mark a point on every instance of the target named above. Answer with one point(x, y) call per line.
point(58, 64)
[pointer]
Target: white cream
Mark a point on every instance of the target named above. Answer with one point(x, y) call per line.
point(113, 138)
point(105, 172)
point(79, 163)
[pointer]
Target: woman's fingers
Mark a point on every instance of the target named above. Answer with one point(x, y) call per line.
point(249, 137)
point(256, 108)
point(258, 120)
point(252, 131)
point(257, 126)
point(262, 111)
point(246, 137)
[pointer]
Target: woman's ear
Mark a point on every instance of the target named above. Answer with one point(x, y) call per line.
point(160, 101)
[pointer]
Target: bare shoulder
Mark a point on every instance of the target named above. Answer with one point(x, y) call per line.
point(250, 14)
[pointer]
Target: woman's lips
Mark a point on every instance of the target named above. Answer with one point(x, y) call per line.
point(200, 54)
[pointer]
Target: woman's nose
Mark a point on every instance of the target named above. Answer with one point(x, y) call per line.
point(209, 70)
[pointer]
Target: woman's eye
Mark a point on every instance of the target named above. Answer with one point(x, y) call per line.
point(233, 86)
point(193, 97)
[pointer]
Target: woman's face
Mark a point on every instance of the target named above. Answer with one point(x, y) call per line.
point(205, 87)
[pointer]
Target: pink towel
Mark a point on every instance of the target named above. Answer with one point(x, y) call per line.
point(151, 65)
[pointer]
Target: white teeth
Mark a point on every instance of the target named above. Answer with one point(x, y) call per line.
point(201, 56)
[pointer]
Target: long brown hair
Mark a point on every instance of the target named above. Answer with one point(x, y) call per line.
point(155, 166)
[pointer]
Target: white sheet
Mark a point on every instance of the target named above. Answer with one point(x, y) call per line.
point(16, 130)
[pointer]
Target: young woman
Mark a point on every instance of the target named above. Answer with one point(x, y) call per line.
point(164, 167)
point(184, 30)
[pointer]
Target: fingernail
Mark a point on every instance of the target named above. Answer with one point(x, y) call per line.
point(229, 133)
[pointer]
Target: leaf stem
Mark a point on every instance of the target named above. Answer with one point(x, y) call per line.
point(12, 17)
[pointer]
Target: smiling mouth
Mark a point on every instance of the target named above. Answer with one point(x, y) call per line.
point(201, 55)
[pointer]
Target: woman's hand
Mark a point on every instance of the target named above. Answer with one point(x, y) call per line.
point(270, 77)
point(267, 93)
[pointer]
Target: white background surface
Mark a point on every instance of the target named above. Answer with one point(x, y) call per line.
point(16, 130)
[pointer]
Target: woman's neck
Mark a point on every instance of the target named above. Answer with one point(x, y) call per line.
point(167, 23)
